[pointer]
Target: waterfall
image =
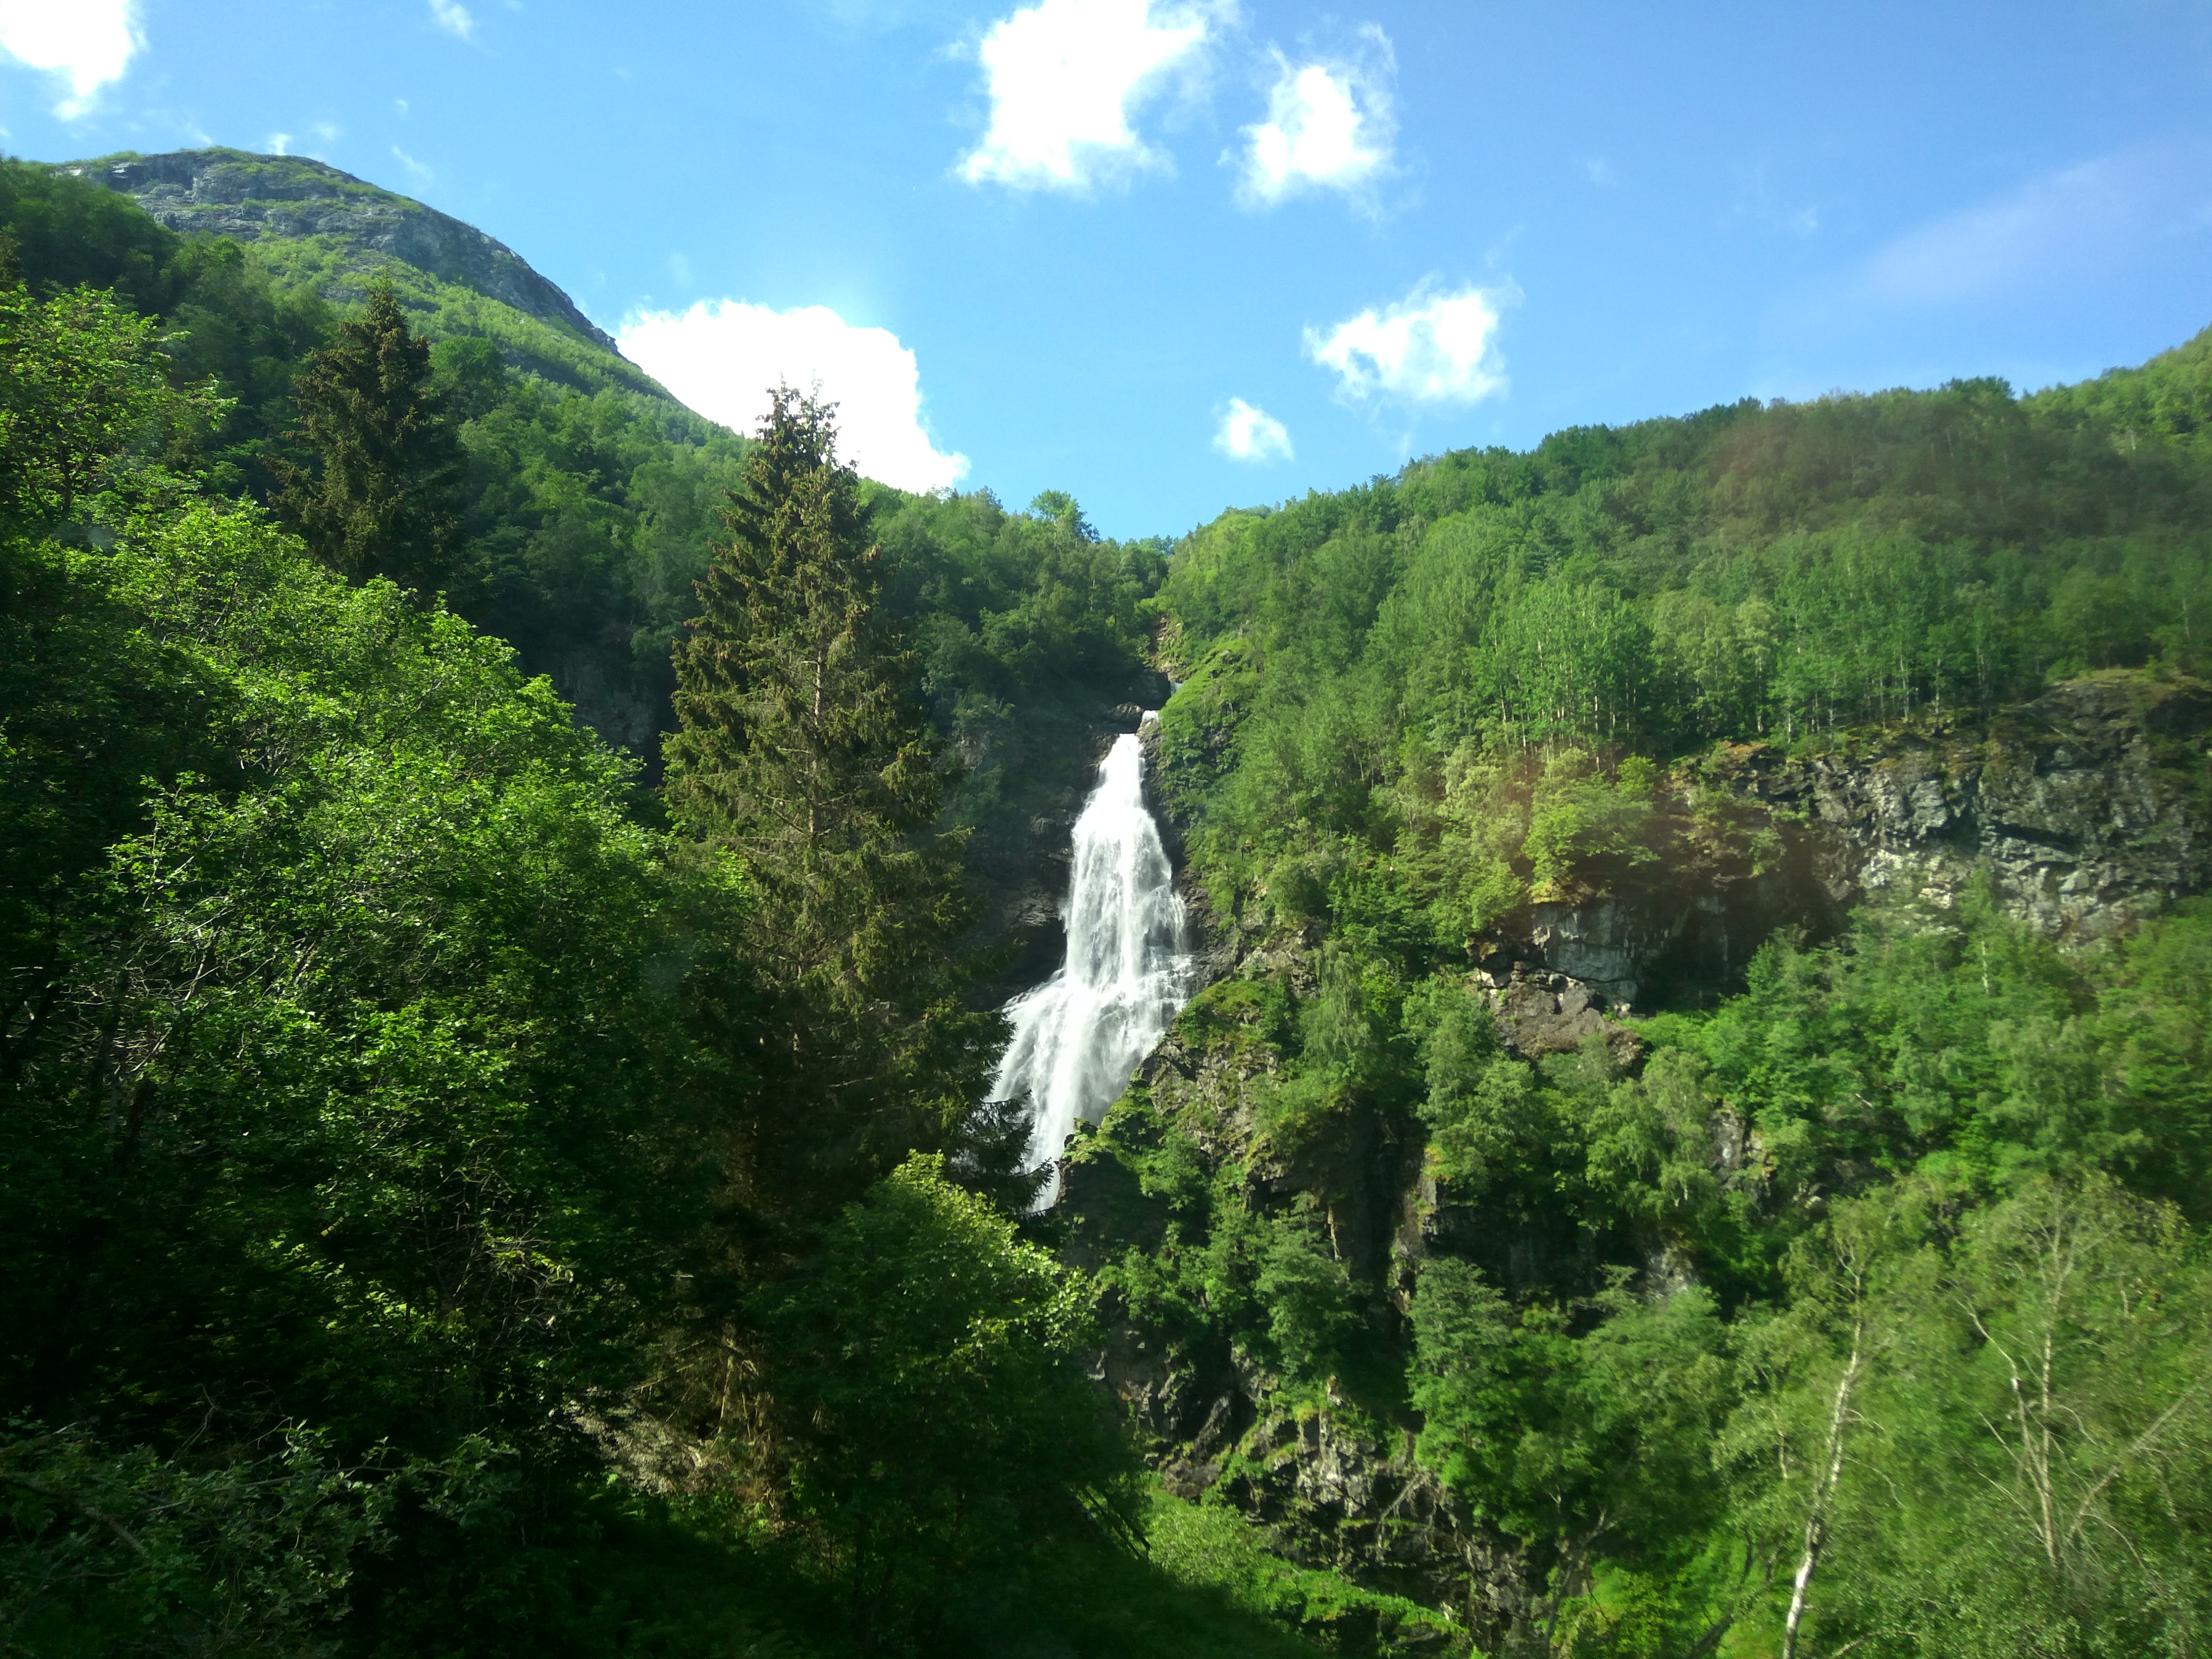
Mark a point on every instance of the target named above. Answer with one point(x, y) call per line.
point(1077, 1037)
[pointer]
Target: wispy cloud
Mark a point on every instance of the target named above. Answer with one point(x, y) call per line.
point(454, 18)
point(722, 356)
point(278, 143)
point(415, 170)
point(1759, 199)
point(85, 43)
point(2099, 212)
point(1065, 77)
point(1250, 433)
point(1430, 347)
point(1330, 124)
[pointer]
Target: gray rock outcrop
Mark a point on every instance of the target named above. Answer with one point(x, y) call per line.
point(2084, 810)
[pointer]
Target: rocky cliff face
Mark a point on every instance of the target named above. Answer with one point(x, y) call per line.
point(2084, 810)
point(1336, 1487)
point(223, 192)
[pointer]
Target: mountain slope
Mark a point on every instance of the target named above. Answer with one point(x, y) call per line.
point(311, 224)
point(1628, 866)
point(381, 1080)
point(593, 496)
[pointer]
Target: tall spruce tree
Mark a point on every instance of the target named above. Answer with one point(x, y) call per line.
point(383, 496)
point(802, 750)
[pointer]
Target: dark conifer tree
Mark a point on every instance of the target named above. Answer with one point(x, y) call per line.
point(802, 750)
point(383, 495)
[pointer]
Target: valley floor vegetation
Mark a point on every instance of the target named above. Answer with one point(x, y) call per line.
point(476, 1180)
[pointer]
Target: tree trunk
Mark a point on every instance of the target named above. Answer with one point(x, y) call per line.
point(1824, 1488)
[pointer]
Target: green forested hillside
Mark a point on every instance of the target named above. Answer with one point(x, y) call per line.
point(440, 1224)
point(590, 506)
point(472, 1187)
point(1748, 572)
point(1895, 1241)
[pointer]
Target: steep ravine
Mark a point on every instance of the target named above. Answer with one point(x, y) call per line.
point(2084, 810)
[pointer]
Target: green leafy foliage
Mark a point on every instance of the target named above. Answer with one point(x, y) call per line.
point(69, 232)
point(86, 409)
point(458, 1200)
point(589, 504)
point(1588, 1442)
point(313, 1072)
point(1354, 660)
point(933, 1402)
point(391, 1151)
point(1209, 1546)
point(1577, 819)
point(1656, 1318)
point(103, 1552)
point(2011, 1397)
point(1311, 1314)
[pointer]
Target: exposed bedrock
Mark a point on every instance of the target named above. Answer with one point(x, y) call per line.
point(2085, 809)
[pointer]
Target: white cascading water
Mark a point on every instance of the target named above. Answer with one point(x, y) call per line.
point(1079, 1037)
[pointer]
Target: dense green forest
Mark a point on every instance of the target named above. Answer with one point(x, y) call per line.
point(1880, 1255)
point(479, 1179)
point(452, 1209)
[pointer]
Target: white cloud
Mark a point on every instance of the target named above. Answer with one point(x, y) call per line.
point(722, 356)
point(1247, 433)
point(453, 17)
point(1064, 75)
point(1428, 348)
point(280, 143)
point(421, 174)
point(1329, 125)
point(87, 44)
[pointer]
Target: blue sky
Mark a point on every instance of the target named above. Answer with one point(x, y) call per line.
point(1173, 256)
